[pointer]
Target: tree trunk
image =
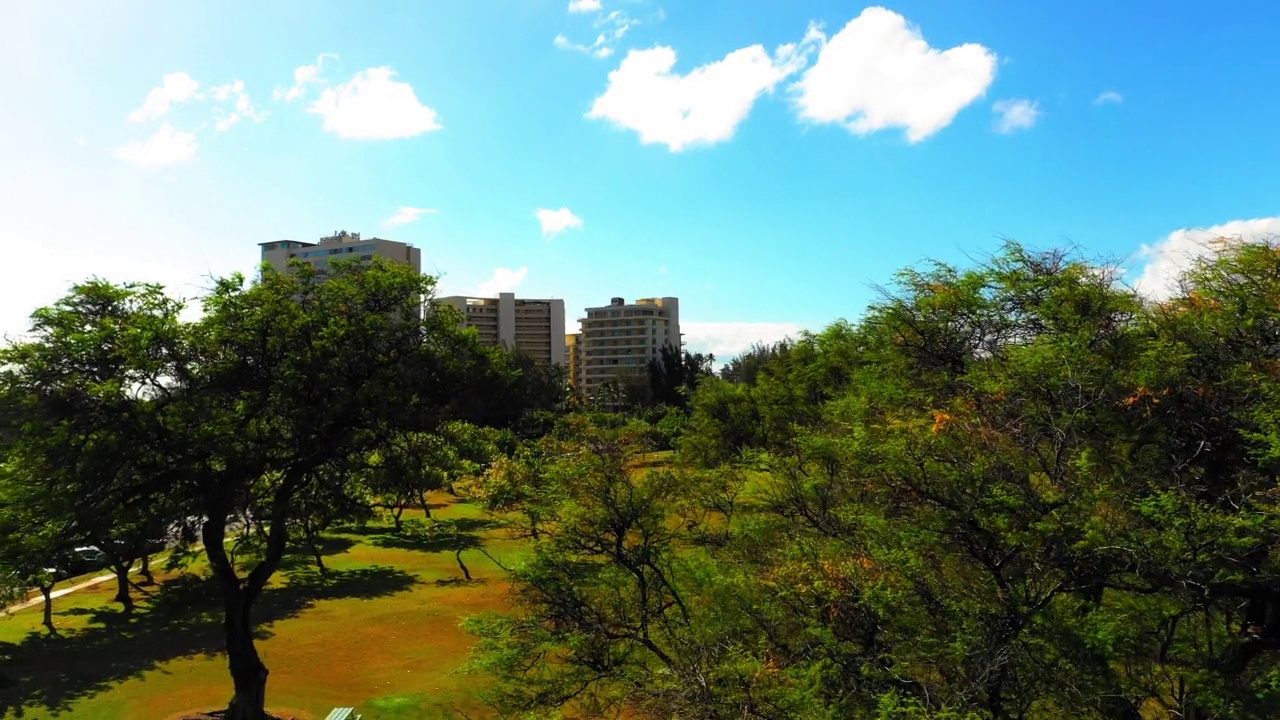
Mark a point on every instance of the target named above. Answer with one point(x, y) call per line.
point(426, 506)
point(315, 552)
point(458, 556)
point(146, 570)
point(46, 591)
point(395, 516)
point(122, 586)
point(248, 674)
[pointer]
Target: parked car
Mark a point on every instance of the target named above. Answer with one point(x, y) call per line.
point(83, 560)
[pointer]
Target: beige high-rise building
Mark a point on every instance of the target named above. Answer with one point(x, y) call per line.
point(619, 339)
point(341, 245)
point(535, 327)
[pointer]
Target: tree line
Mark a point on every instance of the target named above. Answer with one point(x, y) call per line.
point(1019, 490)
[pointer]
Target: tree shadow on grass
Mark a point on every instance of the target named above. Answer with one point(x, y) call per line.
point(184, 619)
point(433, 537)
point(299, 555)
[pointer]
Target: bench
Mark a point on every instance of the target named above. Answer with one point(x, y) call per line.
point(343, 714)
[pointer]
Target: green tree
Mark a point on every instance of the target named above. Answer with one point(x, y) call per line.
point(1014, 491)
point(1204, 521)
point(289, 375)
point(674, 375)
point(413, 464)
point(85, 387)
point(33, 538)
point(746, 367)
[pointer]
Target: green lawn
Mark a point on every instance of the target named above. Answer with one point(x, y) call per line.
point(381, 632)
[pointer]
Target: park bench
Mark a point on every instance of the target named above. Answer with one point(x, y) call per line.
point(343, 714)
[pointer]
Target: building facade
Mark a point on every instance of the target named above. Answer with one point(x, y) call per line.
point(619, 339)
point(341, 245)
point(573, 358)
point(535, 327)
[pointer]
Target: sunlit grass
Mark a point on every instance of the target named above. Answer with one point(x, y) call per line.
point(382, 634)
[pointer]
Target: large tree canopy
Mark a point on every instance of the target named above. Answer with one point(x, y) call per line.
point(1015, 491)
point(250, 414)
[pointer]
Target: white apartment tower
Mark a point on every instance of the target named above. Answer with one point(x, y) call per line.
point(341, 245)
point(535, 327)
point(619, 339)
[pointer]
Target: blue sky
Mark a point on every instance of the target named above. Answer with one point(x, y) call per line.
point(767, 162)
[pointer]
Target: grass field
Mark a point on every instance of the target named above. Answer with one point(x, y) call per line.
point(380, 632)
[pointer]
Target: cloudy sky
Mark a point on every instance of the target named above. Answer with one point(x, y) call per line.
point(767, 162)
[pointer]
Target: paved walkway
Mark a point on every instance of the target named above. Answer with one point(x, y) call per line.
point(39, 599)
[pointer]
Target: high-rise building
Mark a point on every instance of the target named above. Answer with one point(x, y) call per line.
point(573, 357)
point(535, 327)
point(341, 245)
point(619, 340)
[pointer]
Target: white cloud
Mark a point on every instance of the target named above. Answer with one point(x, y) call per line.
point(302, 77)
point(374, 106)
point(584, 6)
point(1015, 115)
point(175, 88)
point(703, 107)
point(728, 339)
point(1168, 258)
point(878, 72)
point(406, 215)
point(82, 141)
point(503, 280)
point(166, 147)
point(1108, 96)
point(610, 29)
point(243, 106)
point(555, 222)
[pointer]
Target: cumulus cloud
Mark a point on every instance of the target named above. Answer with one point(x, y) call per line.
point(233, 92)
point(406, 215)
point(728, 339)
point(374, 106)
point(1168, 258)
point(176, 87)
point(502, 280)
point(1108, 96)
point(584, 6)
point(704, 106)
point(878, 72)
point(555, 222)
point(166, 147)
point(302, 77)
point(1014, 115)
